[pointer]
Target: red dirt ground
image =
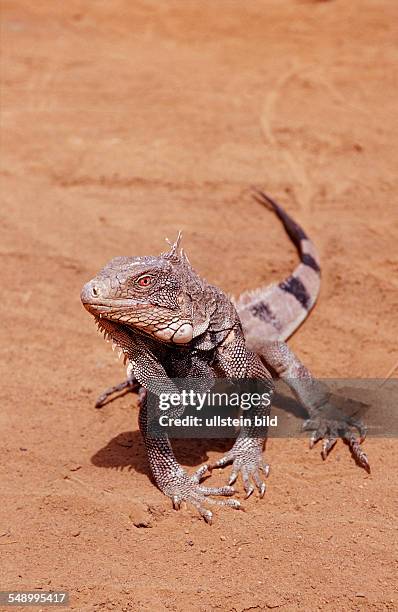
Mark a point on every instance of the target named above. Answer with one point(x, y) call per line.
point(121, 123)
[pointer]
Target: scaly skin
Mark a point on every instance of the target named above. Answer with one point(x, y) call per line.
point(169, 323)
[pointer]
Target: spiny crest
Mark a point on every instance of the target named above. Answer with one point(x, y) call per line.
point(176, 254)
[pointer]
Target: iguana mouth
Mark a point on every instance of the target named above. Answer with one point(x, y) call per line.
point(167, 326)
point(168, 330)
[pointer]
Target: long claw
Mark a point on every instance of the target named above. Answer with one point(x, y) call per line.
point(207, 515)
point(197, 476)
point(176, 502)
point(248, 487)
point(327, 446)
point(316, 436)
point(359, 455)
point(265, 468)
point(261, 486)
point(232, 478)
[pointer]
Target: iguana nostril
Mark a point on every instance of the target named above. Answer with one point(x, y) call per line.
point(90, 293)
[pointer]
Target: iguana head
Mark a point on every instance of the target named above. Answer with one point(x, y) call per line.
point(151, 295)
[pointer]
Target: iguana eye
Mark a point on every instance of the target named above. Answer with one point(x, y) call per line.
point(145, 281)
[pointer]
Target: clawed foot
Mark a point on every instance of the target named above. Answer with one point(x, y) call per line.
point(246, 457)
point(187, 488)
point(333, 424)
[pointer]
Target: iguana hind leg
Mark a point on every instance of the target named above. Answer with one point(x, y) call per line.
point(129, 385)
point(327, 420)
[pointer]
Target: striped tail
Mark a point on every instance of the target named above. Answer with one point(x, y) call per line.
point(274, 312)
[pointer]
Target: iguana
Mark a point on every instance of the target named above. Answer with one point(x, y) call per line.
point(170, 323)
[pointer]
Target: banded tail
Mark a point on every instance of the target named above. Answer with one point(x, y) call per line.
point(274, 312)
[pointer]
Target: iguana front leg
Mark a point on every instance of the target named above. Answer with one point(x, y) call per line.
point(246, 455)
point(171, 478)
point(326, 420)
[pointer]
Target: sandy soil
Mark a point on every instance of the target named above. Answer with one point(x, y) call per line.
point(121, 123)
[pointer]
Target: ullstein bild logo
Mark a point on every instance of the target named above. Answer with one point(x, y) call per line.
point(219, 421)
